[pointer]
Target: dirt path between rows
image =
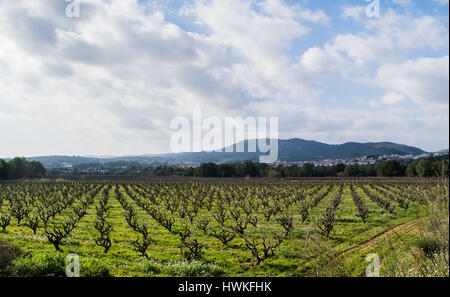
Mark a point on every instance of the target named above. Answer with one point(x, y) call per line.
point(410, 227)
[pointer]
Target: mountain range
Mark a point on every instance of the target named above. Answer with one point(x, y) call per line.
point(288, 150)
point(297, 149)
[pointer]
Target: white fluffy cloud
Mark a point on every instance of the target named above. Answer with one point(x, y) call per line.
point(389, 38)
point(393, 98)
point(355, 12)
point(386, 45)
point(425, 81)
point(111, 81)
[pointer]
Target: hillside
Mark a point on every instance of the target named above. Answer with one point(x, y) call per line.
point(289, 150)
point(297, 149)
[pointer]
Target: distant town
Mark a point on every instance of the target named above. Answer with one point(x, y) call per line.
point(361, 161)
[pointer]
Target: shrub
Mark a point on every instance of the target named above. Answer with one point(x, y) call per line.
point(94, 269)
point(39, 265)
point(5, 221)
point(8, 253)
point(429, 245)
point(151, 267)
point(192, 269)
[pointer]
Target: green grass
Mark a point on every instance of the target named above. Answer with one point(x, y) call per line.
point(292, 258)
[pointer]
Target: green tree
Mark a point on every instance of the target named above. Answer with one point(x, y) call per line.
point(370, 170)
point(351, 171)
point(272, 173)
point(36, 169)
point(291, 171)
point(440, 168)
point(390, 168)
point(227, 170)
point(411, 169)
point(307, 170)
point(248, 168)
point(322, 171)
point(339, 168)
point(262, 168)
point(17, 168)
point(423, 168)
point(189, 172)
point(209, 170)
point(3, 169)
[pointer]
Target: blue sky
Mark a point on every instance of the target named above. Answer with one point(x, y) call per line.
point(109, 82)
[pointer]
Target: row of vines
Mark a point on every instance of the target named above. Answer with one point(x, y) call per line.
point(258, 217)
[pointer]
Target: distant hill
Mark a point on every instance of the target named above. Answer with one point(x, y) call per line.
point(73, 160)
point(305, 150)
point(69, 161)
point(295, 149)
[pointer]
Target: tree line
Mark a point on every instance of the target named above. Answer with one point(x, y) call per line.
point(392, 168)
point(19, 168)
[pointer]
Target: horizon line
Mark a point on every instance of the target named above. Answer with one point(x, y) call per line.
point(106, 156)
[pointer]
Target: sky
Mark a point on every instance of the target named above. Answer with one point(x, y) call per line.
point(110, 81)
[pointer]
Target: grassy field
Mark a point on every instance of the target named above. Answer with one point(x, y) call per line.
point(225, 228)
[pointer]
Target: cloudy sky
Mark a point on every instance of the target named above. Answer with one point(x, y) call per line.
point(109, 82)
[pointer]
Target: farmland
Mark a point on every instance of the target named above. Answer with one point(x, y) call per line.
point(221, 227)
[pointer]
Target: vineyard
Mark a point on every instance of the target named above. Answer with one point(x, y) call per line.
point(215, 227)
